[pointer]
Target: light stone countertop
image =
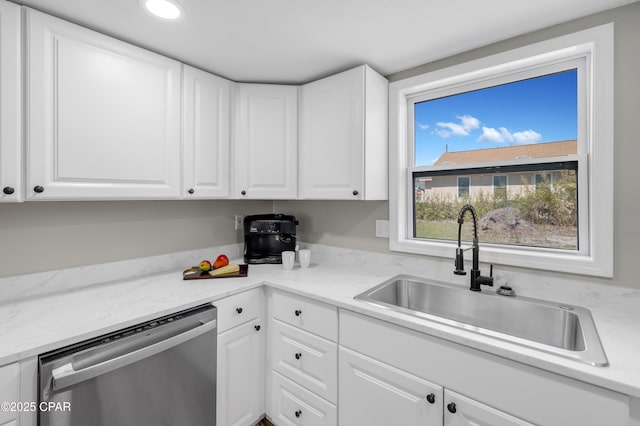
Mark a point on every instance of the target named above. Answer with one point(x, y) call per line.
point(45, 311)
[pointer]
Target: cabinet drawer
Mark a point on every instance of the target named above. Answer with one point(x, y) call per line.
point(307, 359)
point(9, 389)
point(239, 308)
point(310, 315)
point(294, 405)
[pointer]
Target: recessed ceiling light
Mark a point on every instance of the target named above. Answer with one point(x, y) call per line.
point(164, 9)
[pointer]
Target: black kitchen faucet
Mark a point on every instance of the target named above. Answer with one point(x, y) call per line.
point(476, 278)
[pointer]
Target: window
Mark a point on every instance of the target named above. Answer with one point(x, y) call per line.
point(533, 147)
point(551, 218)
point(543, 180)
point(500, 187)
point(463, 186)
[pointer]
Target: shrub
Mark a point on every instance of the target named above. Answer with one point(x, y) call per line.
point(547, 204)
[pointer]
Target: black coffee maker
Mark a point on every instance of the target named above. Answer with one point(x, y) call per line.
point(266, 236)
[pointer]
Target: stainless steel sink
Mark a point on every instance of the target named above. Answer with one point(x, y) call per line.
point(556, 328)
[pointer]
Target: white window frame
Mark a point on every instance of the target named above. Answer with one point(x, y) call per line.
point(595, 147)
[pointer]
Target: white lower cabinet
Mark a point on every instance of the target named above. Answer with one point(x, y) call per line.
point(9, 392)
point(387, 372)
point(241, 366)
point(373, 393)
point(303, 367)
point(463, 411)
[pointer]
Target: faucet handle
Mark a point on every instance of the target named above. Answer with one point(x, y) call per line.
point(459, 262)
point(484, 280)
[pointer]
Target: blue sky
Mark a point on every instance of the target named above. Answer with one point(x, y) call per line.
point(538, 110)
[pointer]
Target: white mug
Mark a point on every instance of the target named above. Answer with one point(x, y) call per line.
point(304, 256)
point(288, 258)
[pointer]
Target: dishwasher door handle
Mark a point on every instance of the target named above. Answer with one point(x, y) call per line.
point(66, 375)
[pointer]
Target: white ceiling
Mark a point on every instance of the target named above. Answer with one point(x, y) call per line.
point(296, 41)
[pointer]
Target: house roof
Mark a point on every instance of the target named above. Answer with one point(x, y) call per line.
point(538, 150)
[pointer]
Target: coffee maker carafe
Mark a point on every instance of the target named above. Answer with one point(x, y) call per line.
point(266, 236)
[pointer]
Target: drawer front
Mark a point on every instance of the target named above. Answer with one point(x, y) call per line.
point(305, 358)
point(240, 308)
point(292, 404)
point(9, 387)
point(309, 315)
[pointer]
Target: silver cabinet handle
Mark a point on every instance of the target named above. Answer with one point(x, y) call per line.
point(67, 375)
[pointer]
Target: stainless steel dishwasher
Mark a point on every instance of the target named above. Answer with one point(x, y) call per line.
point(161, 372)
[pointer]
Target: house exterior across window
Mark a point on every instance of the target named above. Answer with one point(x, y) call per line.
point(502, 185)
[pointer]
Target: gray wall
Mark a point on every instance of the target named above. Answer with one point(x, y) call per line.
point(43, 236)
point(352, 224)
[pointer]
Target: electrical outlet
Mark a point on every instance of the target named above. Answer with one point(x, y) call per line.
point(239, 222)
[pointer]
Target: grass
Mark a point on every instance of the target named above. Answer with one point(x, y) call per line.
point(544, 236)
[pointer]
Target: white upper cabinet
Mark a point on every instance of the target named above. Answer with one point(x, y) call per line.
point(344, 137)
point(265, 141)
point(10, 104)
point(205, 135)
point(103, 116)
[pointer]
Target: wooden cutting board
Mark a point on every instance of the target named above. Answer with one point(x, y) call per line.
point(201, 275)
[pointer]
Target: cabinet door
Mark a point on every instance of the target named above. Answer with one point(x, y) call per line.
point(205, 134)
point(463, 411)
point(332, 136)
point(9, 390)
point(104, 116)
point(374, 393)
point(10, 104)
point(241, 375)
point(265, 142)
point(344, 137)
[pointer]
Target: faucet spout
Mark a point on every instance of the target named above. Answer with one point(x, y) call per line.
point(476, 277)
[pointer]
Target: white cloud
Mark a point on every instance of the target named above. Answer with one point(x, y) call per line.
point(527, 136)
point(492, 135)
point(469, 122)
point(501, 135)
point(422, 126)
point(448, 129)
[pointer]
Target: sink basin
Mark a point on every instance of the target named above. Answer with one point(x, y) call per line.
point(568, 331)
